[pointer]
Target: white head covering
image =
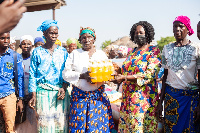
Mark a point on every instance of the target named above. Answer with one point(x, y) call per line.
point(12, 40)
point(27, 37)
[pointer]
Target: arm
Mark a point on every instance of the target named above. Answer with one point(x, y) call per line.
point(69, 74)
point(32, 80)
point(10, 14)
point(20, 82)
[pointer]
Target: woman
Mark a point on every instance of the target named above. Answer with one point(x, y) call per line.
point(71, 44)
point(90, 109)
point(140, 95)
point(46, 83)
point(180, 87)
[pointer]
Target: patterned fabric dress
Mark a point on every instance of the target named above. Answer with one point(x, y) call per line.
point(140, 99)
point(46, 79)
point(90, 112)
point(181, 93)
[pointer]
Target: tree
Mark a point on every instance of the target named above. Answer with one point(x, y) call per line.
point(105, 44)
point(164, 41)
point(79, 45)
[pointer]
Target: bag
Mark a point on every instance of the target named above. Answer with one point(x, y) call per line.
point(20, 117)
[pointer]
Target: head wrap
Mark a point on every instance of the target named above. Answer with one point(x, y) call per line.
point(87, 30)
point(186, 21)
point(58, 42)
point(12, 40)
point(38, 39)
point(123, 50)
point(46, 24)
point(71, 40)
point(27, 37)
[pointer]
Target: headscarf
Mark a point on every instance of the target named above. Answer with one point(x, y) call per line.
point(71, 40)
point(58, 42)
point(38, 39)
point(186, 21)
point(123, 50)
point(12, 40)
point(27, 37)
point(87, 30)
point(46, 24)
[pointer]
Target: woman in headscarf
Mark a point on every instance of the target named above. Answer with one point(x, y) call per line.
point(71, 44)
point(46, 83)
point(39, 41)
point(140, 93)
point(180, 87)
point(90, 109)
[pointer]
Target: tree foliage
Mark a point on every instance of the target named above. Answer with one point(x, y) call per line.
point(164, 41)
point(79, 45)
point(105, 44)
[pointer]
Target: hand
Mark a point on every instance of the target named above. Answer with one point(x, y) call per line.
point(10, 14)
point(197, 115)
point(61, 94)
point(117, 68)
point(20, 106)
point(159, 111)
point(32, 102)
point(86, 76)
point(118, 79)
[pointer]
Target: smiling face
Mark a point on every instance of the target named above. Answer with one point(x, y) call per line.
point(180, 30)
point(87, 41)
point(26, 46)
point(51, 34)
point(4, 41)
point(72, 46)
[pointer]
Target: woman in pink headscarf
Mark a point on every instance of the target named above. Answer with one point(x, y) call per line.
point(180, 89)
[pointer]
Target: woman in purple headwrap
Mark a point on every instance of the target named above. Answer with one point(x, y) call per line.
point(180, 89)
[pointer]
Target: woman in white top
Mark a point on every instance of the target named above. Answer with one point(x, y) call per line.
point(90, 109)
point(180, 87)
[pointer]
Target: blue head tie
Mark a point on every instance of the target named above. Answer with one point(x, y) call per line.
point(46, 24)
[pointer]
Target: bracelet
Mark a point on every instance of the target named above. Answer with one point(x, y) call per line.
point(125, 78)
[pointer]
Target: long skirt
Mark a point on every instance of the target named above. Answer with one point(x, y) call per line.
point(52, 113)
point(90, 112)
point(179, 110)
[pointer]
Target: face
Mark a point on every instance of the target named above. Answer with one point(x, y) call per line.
point(139, 37)
point(12, 46)
point(72, 46)
point(51, 34)
point(180, 30)
point(87, 41)
point(198, 31)
point(4, 40)
point(26, 46)
point(112, 54)
point(37, 44)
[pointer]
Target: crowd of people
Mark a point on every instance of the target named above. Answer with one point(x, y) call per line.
point(46, 70)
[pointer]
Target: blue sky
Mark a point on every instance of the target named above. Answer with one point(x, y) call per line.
point(112, 19)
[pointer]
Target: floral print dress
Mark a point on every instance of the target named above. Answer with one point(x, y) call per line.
point(140, 99)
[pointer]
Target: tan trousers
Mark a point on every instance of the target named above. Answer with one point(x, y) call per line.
point(8, 108)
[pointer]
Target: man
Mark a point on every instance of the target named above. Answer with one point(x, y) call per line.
point(10, 14)
point(7, 89)
point(46, 83)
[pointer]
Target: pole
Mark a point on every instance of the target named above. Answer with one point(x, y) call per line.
point(54, 14)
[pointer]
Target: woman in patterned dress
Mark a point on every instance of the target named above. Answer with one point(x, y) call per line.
point(140, 95)
point(90, 110)
point(181, 63)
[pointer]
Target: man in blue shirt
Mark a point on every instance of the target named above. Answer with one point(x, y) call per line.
point(7, 90)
